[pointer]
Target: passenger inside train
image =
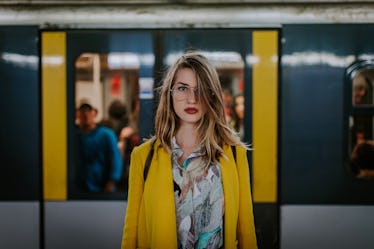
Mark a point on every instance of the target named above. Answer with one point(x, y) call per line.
point(113, 92)
point(119, 122)
point(238, 115)
point(100, 160)
point(227, 102)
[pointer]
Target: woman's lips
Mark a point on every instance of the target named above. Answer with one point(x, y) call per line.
point(191, 110)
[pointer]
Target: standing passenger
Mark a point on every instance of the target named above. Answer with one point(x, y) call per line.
point(119, 122)
point(238, 115)
point(100, 156)
point(197, 192)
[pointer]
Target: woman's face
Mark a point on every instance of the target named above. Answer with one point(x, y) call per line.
point(187, 105)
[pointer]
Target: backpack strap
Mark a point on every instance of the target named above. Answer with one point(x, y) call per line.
point(147, 164)
point(233, 149)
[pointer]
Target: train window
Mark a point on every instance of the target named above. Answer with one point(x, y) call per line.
point(231, 74)
point(107, 102)
point(230, 69)
point(361, 119)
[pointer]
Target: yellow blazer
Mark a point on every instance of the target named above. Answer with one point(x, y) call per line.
point(150, 220)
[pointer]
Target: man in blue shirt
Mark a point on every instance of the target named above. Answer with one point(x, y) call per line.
point(99, 151)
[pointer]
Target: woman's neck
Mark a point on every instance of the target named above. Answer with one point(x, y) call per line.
point(187, 138)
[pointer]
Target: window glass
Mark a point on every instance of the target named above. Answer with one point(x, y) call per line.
point(107, 111)
point(361, 120)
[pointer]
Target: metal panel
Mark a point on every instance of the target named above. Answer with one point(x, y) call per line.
point(326, 227)
point(84, 224)
point(19, 108)
point(312, 124)
point(187, 16)
point(19, 225)
point(139, 2)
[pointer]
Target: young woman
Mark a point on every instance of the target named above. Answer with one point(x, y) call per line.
point(196, 193)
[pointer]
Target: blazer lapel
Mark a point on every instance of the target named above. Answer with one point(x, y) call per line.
point(231, 195)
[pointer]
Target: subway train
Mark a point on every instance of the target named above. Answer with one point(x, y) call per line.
point(305, 69)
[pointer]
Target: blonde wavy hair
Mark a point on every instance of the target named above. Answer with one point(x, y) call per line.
point(213, 129)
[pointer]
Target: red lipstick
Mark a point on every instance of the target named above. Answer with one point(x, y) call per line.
point(191, 110)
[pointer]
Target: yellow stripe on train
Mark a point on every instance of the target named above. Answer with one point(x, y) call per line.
point(265, 116)
point(54, 115)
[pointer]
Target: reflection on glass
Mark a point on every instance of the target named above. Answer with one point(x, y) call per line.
point(107, 103)
point(361, 126)
point(362, 85)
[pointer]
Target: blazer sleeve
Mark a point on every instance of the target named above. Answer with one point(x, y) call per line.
point(135, 193)
point(246, 233)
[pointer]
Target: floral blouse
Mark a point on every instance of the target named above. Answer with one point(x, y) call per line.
point(199, 200)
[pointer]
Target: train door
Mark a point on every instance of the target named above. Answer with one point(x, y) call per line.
point(103, 66)
point(20, 143)
point(100, 69)
point(247, 64)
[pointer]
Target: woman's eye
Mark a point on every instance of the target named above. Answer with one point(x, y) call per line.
point(182, 88)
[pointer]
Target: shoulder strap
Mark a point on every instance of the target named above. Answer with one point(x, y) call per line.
point(149, 160)
point(233, 148)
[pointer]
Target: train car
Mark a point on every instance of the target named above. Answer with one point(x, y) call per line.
point(305, 69)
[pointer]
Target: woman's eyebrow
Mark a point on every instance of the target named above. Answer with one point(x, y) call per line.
point(182, 83)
